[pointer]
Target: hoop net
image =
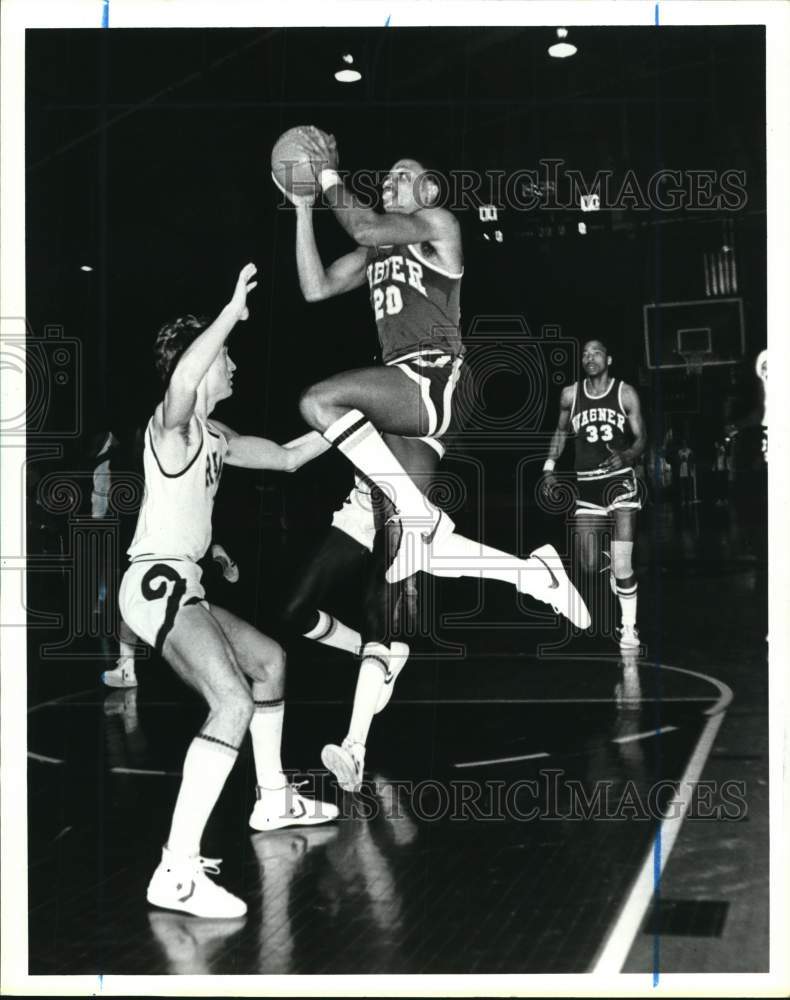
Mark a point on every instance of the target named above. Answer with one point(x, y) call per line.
point(695, 361)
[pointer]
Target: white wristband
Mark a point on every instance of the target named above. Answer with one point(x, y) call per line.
point(548, 465)
point(328, 178)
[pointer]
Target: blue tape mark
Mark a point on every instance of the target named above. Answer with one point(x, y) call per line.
point(101, 974)
point(657, 904)
point(387, 22)
point(656, 15)
point(105, 14)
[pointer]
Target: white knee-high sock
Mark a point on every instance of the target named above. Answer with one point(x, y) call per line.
point(624, 579)
point(206, 768)
point(364, 447)
point(266, 733)
point(372, 671)
point(626, 595)
point(332, 632)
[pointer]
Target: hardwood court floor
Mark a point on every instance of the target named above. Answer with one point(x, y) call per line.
point(509, 805)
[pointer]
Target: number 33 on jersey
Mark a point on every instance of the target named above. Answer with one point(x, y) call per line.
point(598, 423)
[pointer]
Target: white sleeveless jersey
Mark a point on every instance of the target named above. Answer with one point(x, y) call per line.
point(175, 516)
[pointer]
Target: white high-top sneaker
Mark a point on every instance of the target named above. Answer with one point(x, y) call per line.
point(276, 808)
point(181, 883)
point(122, 676)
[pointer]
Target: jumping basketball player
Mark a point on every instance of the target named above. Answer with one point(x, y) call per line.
point(596, 411)
point(163, 601)
point(411, 258)
point(355, 548)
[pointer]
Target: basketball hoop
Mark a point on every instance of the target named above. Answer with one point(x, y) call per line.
point(695, 361)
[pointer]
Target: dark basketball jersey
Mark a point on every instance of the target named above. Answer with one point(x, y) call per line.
point(417, 305)
point(597, 422)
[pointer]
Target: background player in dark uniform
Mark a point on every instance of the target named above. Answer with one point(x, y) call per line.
point(603, 413)
point(411, 259)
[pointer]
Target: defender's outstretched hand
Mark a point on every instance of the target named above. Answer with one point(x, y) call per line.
point(244, 286)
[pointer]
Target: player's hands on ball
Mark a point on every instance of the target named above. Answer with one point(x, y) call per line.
point(321, 148)
point(244, 286)
point(614, 462)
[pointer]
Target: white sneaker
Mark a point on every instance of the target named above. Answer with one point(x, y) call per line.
point(276, 808)
point(122, 676)
point(346, 762)
point(548, 582)
point(414, 548)
point(399, 653)
point(629, 637)
point(181, 883)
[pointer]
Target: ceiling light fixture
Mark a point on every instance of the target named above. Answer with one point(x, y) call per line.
point(561, 49)
point(85, 267)
point(347, 74)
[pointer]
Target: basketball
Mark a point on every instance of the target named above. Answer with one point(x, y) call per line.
point(291, 163)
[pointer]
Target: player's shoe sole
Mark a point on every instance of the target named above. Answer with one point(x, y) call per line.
point(347, 769)
point(554, 587)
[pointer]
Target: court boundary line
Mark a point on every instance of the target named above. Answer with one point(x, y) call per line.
point(632, 737)
point(620, 937)
point(502, 760)
point(43, 759)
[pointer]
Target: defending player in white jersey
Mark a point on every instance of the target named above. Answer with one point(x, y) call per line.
point(597, 412)
point(162, 599)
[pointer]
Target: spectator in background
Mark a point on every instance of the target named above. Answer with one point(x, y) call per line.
point(720, 473)
point(686, 474)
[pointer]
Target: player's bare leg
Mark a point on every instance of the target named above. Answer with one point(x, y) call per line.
point(200, 654)
point(382, 657)
point(262, 660)
point(345, 408)
point(350, 410)
point(338, 558)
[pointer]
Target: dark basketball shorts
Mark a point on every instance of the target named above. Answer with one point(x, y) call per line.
point(437, 376)
point(601, 494)
point(152, 593)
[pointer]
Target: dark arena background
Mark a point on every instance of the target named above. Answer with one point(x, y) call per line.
point(527, 783)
